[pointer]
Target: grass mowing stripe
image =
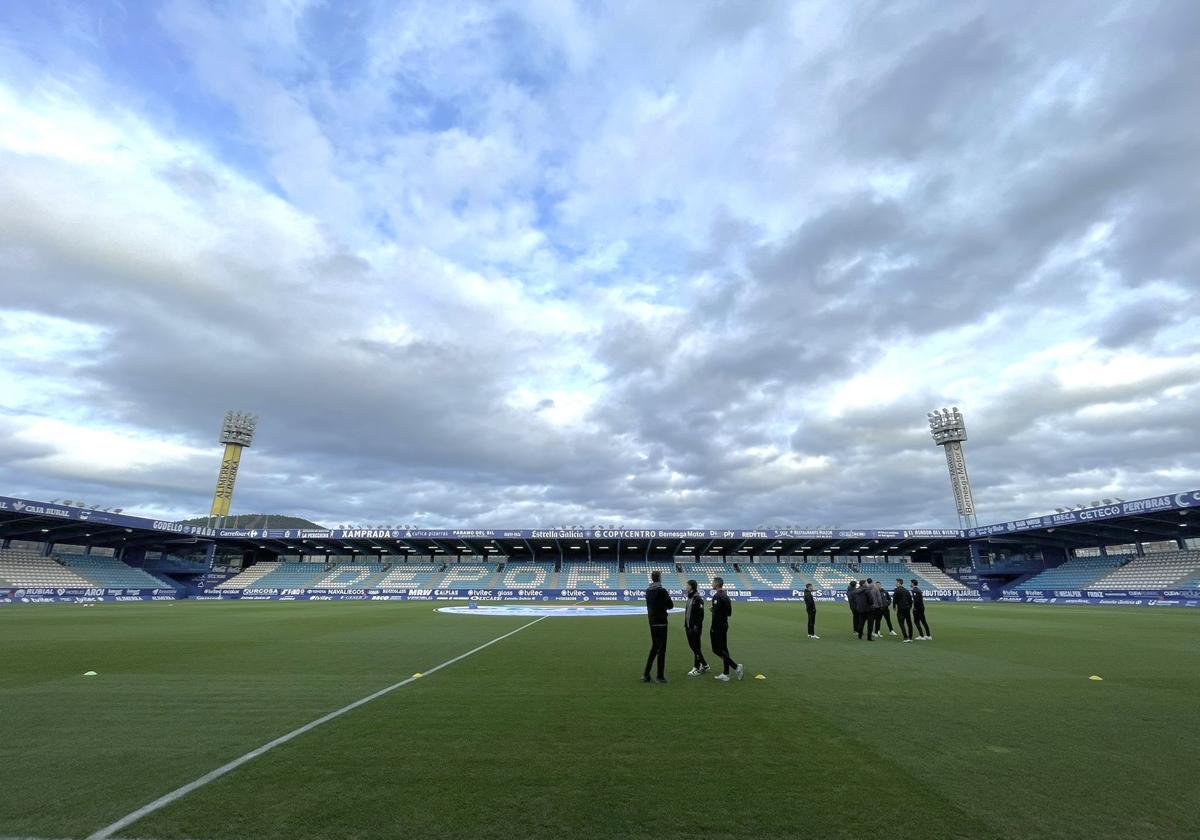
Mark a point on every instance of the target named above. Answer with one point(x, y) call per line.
point(167, 799)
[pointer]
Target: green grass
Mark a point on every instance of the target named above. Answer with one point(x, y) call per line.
point(991, 730)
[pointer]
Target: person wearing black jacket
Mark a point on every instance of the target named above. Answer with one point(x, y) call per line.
point(810, 607)
point(693, 625)
point(852, 601)
point(862, 606)
point(718, 635)
point(919, 613)
point(884, 614)
point(903, 600)
point(872, 604)
point(658, 603)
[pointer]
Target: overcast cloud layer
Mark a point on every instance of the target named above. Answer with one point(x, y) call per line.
point(660, 264)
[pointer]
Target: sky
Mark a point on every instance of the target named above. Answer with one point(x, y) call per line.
point(667, 264)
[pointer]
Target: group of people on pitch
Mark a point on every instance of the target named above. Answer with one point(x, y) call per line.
point(659, 603)
point(870, 604)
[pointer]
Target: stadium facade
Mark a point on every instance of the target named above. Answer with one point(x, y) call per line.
point(1137, 552)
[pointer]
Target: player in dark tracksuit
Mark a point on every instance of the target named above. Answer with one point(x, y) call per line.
point(885, 613)
point(718, 635)
point(810, 607)
point(852, 602)
point(873, 603)
point(919, 613)
point(658, 602)
point(903, 600)
point(693, 625)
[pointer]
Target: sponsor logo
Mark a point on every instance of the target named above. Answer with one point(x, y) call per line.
point(1100, 513)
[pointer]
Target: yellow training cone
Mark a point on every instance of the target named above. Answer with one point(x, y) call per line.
point(417, 676)
point(89, 673)
point(760, 677)
point(1097, 679)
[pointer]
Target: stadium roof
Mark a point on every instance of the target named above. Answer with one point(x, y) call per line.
point(1144, 520)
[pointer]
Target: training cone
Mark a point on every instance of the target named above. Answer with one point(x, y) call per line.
point(1095, 678)
point(90, 674)
point(417, 676)
point(760, 677)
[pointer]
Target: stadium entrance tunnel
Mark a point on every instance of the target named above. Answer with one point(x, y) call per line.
point(537, 611)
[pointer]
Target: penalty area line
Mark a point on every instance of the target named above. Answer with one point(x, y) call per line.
point(167, 799)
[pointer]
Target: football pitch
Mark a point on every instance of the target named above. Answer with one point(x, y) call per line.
point(993, 729)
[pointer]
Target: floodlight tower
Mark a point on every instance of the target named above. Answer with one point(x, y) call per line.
point(236, 433)
point(949, 431)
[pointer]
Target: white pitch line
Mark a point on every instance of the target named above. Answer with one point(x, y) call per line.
point(167, 799)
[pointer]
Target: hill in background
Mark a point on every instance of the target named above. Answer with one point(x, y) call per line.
point(258, 520)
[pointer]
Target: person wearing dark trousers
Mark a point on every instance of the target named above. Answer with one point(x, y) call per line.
point(658, 603)
point(862, 604)
point(884, 614)
point(718, 636)
point(693, 625)
point(852, 600)
point(874, 602)
point(810, 607)
point(919, 614)
point(903, 600)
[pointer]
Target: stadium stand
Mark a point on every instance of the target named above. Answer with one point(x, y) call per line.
point(637, 574)
point(470, 575)
point(705, 572)
point(111, 573)
point(411, 576)
point(251, 576)
point(769, 575)
point(1076, 573)
point(529, 575)
point(174, 563)
point(928, 576)
point(1157, 571)
point(285, 576)
point(935, 578)
point(589, 575)
point(352, 576)
point(826, 575)
point(27, 569)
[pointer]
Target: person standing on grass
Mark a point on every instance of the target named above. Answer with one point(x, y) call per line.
point(903, 600)
point(919, 613)
point(885, 613)
point(874, 607)
point(658, 603)
point(693, 625)
point(810, 607)
point(852, 600)
point(718, 636)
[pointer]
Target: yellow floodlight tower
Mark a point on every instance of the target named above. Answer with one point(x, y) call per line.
point(236, 433)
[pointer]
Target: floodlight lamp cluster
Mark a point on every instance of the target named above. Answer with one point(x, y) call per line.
point(238, 428)
point(85, 506)
point(947, 425)
point(1095, 503)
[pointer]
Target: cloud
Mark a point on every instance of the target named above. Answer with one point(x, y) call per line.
point(679, 265)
